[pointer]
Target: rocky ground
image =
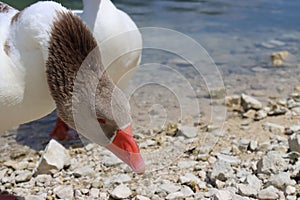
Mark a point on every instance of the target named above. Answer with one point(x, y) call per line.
point(255, 156)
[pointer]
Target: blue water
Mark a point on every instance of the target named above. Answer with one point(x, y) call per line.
point(225, 28)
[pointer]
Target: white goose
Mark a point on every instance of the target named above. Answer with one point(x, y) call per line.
point(118, 37)
point(41, 50)
point(120, 42)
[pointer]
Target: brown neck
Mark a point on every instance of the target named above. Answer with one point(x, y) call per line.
point(69, 45)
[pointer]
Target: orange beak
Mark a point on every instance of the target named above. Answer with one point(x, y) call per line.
point(125, 147)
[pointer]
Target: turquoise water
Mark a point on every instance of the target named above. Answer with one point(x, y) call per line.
point(226, 29)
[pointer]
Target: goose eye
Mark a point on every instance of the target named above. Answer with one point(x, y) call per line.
point(101, 121)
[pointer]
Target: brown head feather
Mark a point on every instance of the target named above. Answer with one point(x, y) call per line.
point(70, 44)
point(4, 8)
point(6, 47)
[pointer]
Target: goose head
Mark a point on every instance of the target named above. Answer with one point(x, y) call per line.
point(72, 48)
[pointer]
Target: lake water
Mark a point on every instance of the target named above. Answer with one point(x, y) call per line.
point(237, 34)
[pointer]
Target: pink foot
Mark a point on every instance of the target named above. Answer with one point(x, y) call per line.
point(62, 131)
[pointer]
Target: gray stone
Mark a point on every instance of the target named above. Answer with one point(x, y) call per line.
point(187, 191)
point(140, 197)
point(121, 192)
point(238, 197)
point(111, 160)
point(189, 178)
point(94, 193)
point(187, 164)
point(221, 170)
point(36, 197)
point(273, 128)
point(187, 131)
point(3, 173)
point(247, 190)
point(251, 188)
point(175, 196)
point(261, 114)
point(169, 187)
point(290, 190)
point(118, 178)
point(292, 129)
point(291, 103)
point(243, 144)
point(22, 165)
point(84, 171)
point(294, 142)
point(202, 185)
point(249, 102)
point(281, 180)
point(103, 195)
point(296, 110)
point(90, 147)
point(277, 110)
point(289, 197)
point(78, 194)
point(11, 163)
point(64, 192)
point(97, 182)
point(84, 191)
point(219, 133)
point(229, 159)
point(221, 195)
point(23, 176)
point(249, 114)
point(268, 193)
point(271, 163)
point(55, 157)
point(253, 145)
point(233, 101)
point(254, 182)
point(43, 180)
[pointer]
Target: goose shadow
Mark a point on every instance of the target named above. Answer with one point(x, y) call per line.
point(36, 134)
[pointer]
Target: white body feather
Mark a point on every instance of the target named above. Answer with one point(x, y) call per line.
point(119, 38)
point(24, 92)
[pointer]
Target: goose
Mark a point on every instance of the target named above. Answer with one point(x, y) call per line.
point(42, 48)
point(120, 42)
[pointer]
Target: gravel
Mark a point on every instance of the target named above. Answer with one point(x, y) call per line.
point(255, 159)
